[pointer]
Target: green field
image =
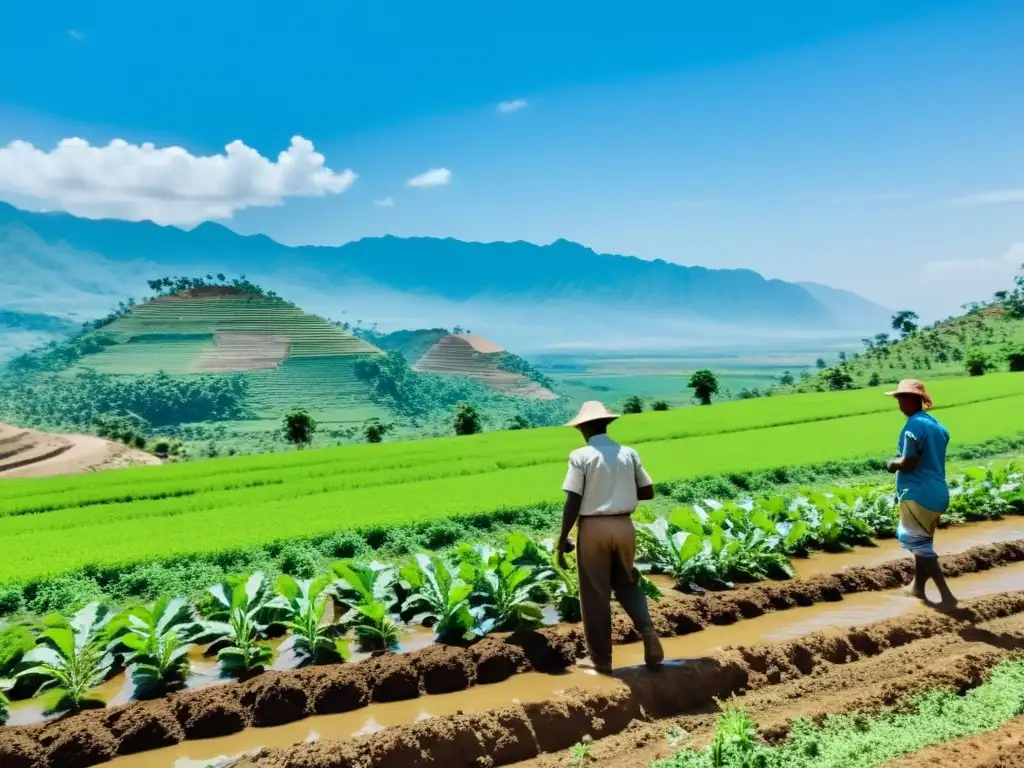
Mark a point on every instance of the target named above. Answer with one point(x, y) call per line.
point(53, 526)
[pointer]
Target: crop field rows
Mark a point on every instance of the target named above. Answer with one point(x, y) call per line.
point(89, 524)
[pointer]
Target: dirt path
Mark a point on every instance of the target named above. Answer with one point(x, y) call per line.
point(1001, 748)
point(30, 453)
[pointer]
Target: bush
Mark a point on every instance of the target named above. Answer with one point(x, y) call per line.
point(466, 420)
point(659, 405)
point(633, 404)
point(518, 422)
point(299, 427)
point(977, 362)
point(374, 430)
point(875, 380)
point(1015, 358)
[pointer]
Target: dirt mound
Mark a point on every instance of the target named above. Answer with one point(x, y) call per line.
point(281, 697)
point(479, 359)
point(30, 453)
point(816, 663)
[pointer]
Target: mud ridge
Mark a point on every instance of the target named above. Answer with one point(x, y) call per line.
point(518, 733)
point(275, 698)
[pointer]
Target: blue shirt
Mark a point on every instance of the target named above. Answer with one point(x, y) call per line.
point(924, 437)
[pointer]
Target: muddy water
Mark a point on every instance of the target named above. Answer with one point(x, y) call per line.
point(857, 609)
point(948, 541)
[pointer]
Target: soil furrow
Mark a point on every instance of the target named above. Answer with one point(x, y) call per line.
point(1001, 748)
point(519, 733)
point(275, 698)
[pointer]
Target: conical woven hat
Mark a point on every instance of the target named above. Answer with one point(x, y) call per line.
point(592, 410)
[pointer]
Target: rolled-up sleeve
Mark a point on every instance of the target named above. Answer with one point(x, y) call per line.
point(642, 478)
point(575, 477)
point(911, 448)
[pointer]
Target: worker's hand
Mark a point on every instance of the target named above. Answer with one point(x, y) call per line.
point(564, 545)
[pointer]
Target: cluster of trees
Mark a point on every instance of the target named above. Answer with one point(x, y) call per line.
point(56, 356)
point(169, 286)
point(51, 401)
point(515, 364)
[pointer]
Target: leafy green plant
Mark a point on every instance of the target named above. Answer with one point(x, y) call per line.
point(244, 613)
point(685, 555)
point(504, 585)
point(72, 657)
point(5, 685)
point(362, 589)
point(313, 640)
point(579, 754)
point(158, 637)
point(438, 597)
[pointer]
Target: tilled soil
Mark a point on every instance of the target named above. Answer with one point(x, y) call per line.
point(1001, 748)
point(517, 733)
point(802, 678)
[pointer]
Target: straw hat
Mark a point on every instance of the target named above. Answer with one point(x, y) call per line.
point(592, 410)
point(912, 387)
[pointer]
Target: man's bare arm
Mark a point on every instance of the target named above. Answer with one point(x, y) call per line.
point(570, 513)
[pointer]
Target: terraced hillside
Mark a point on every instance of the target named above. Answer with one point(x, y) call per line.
point(479, 359)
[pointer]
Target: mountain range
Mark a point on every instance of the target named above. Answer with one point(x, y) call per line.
point(68, 267)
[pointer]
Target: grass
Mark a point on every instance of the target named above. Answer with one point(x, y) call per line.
point(115, 520)
point(861, 741)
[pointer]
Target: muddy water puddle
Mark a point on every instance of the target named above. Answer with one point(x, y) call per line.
point(948, 541)
point(857, 609)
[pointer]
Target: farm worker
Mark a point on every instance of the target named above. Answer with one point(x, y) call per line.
point(604, 483)
point(921, 488)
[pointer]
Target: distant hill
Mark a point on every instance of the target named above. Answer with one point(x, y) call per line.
point(843, 305)
point(70, 262)
point(21, 331)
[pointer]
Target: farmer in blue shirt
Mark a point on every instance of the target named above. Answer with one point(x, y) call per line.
point(921, 488)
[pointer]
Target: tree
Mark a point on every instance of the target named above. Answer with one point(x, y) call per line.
point(659, 405)
point(821, 364)
point(839, 378)
point(466, 419)
point(786, 379)
point(1015, 357)
point(875, 380)
point(299, 427)
point(842, 357)
point(704, 384)
point(976, 361)
point(518, 422)
point(904, 322)
point(375, 429)
point(633, 404)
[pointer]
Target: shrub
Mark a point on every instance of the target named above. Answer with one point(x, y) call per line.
point(466, 420)
point(875, 379)
point(977, 362)
point(633, 404)
point(299, 427)
point(659, 405)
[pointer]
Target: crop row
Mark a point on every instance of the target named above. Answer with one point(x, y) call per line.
point(37, 546)
point(491, 451)
point(469, 594)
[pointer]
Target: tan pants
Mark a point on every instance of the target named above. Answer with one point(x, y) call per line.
point(604, 558)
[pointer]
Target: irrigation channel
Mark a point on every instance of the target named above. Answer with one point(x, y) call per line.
point(993, 568)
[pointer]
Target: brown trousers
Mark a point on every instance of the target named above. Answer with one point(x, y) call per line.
point(604, 558)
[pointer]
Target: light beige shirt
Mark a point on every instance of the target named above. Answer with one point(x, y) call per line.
point(606, 475)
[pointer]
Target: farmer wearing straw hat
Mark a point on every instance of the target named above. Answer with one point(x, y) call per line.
point(921, 488)
point(604, 483)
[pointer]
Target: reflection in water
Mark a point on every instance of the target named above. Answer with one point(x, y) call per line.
point(857, 609)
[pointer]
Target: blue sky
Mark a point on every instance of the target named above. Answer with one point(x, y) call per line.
point(876, 145)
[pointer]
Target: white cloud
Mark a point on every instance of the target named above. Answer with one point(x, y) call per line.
point(168, 185)
point(511, 106)
point(385, 202)
point(993, 197)
point(435, 177)
point(1004, 263)
point(951, 282)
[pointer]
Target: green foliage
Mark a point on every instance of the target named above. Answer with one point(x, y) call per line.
point(864, 741)
point(374, 430)
point(5, 686)
point(363, 588)
point(503, 587)
point(125, 428)
point(157, 640)
point(1015, 357)
point(633, 404)
point(304, 602)
point(15, 642)
point(170, 286)
point(55, 356)
point(518, 422)
point(704, 384)
point(977, 362)
point(659, 405)
point(515, 364)
point(904, 323)
point(160, 400)
point(438, 598)
point(466, 420)
point(299, 427)
point(71, 656)
point(875, 380)
point(242, 613)
point(839, 378)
